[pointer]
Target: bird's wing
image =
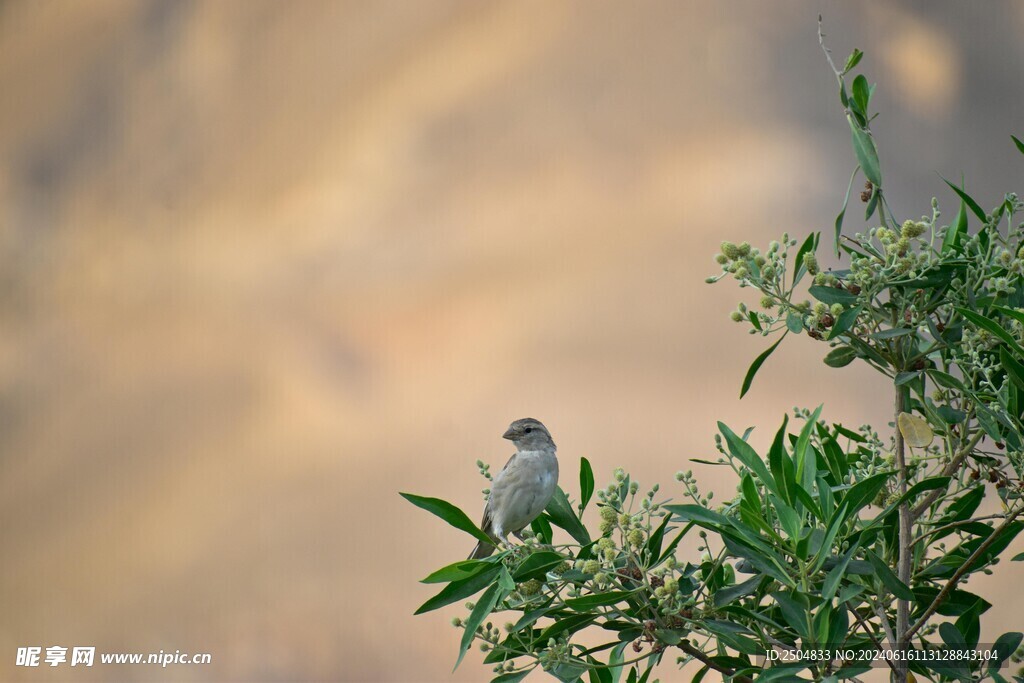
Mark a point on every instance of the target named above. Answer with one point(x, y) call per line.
point(509, 462)
point(485, 523)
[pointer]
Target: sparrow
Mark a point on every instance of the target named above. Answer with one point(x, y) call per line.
point(523, 488)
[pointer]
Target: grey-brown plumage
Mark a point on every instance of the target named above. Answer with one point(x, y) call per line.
point(523, 488)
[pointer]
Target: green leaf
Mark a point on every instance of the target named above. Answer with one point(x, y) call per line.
point(1020, 145)
point(844, 322)
point(947, 380)
point(841, 356)
point(853, 60)
point(951, 635)
point(542, 528)
point(653, 547)
point(841, 216)
point(828, 588)
point(971, 204)
point(808, 246)
point(888, 578)
point(781, 465)
point(484, 606)
point(795, 608)
point(568, 672)
point(514, 677)
point(834, 525)
point(675, 542)
point(586, 483)
point(891, 333)
point(597, 600)
point(743, 452)
point(869, 210)
point(457, 570)
point(765, 562)
point(756, 365)
point(867, 155)
point(1013, 367)
point(598, 675)
point(615, 661)
point(1011, 312)
point(951, 415)
point(1005, 644)
point(537, 565)
point(804, 457)
point(699, 514)
point(956, 231)
point(957, 601)
point(905, 377)
point(861, 93)
point(457, 590)
point(920, 487)
point(730, 593)
point(562, 515)
point(993, 327)
point(832, 295)
point(794, 322)
point(754, 320)
point(566, 625)
point(963, 507)
point(449, 513)
point(865, 491)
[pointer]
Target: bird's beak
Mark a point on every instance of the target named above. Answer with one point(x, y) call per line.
point(509, 434)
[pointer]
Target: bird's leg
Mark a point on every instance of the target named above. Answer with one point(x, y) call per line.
point(519, 535)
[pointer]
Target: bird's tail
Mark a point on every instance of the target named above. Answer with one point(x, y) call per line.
point(482, 549)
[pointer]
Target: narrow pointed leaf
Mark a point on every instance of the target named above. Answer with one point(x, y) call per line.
point(971, 204)
point(586, 482)
point(957, 229)
point(746, 454)
point(993, 327)
point(842, 212)
point(867, 155)
point(449, 513)
point(888, 578)
point(756, 365)
point(1020, 145)
point(562, 515)
point(457, 590)
point(484, 606)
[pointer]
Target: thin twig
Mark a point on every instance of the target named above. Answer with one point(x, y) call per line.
point(953, 525)
point(949, 470)
point(871, 636)
point(959, 573)
point(906, 534)
point(884, 621)
point(828, 53)
point(711, 664)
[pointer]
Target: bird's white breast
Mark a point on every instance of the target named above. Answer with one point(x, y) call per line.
point(522, 490)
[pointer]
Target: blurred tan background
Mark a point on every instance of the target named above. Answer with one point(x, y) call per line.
point(265, 264)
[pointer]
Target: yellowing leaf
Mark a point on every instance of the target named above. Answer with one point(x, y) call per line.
point(915, 430)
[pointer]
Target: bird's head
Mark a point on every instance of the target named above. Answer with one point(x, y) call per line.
point(529, 435)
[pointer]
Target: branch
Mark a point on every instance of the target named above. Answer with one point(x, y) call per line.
point(959, 573)
point(708, 662)
point(828, 53)
point(953, 525)
point(949, 470)
point(871, 636)
point(884, 620)
point(904, 539)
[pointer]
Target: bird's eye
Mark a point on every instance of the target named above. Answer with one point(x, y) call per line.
point(528, 430)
